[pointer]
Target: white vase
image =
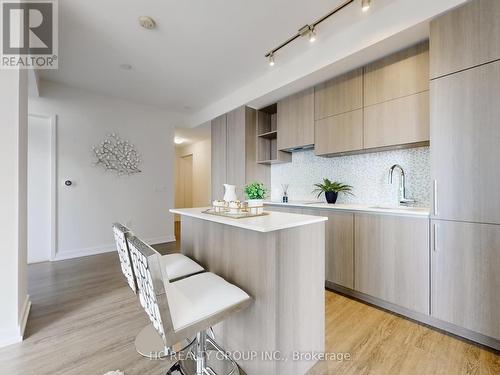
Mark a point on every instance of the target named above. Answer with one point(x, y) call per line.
point(256, 206)
point(230, 193)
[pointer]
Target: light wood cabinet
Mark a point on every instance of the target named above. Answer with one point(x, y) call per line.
point(465, 37)
point(400, 74)
point(340, 133)
point(234, 152)
point(465, 137)
point(465, 275)
point(380, 106)
point(339, 95)
point(339, 242)
point(236, 142)
point(218, 155)
point(289, 209)
point(295, 120)
point(397, 122)
point(392, 259)
point(339, 237)
point(396, 99)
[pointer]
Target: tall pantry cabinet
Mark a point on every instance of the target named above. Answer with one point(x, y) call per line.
point(234, 152)
point(465, 154)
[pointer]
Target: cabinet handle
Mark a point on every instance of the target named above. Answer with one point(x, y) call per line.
point(435, 197)
point(435, 237)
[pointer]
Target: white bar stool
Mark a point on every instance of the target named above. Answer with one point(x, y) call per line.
point(186, 307)
point(176, 266)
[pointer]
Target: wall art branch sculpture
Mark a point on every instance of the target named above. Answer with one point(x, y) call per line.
point(118, 155)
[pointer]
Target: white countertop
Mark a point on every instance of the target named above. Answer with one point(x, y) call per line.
point(411, 211)
point(268, 223)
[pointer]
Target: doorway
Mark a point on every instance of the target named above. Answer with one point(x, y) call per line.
point(41, 187)
point(183, 188)
point(186, 181)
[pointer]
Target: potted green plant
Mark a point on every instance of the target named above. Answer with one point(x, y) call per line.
point(332, 190)
point(255, 192)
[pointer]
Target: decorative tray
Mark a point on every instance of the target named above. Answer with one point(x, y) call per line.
point(240, 214)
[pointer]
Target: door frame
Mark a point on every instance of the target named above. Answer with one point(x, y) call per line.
point(53, 179)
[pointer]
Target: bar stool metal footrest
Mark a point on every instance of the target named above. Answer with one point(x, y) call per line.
point(150, 345)
point(208, 359)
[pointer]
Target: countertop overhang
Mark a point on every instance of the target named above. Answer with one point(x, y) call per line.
point(269, 223)
point(406, 211)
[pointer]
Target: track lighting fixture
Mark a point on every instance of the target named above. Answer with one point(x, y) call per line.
point(312, 35)
point(365, 5)
point(310, 30)
point(271, 59)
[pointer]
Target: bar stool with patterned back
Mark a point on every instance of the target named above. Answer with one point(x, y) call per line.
point(185, 308)
point(176, 266)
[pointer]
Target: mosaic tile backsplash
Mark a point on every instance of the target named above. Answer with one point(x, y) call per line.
point(367, 173)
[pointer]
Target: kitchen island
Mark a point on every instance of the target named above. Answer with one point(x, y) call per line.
point(279, 260)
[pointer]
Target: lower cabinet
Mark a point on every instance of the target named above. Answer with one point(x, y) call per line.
point(392, 259)
point(339, 237)
point(465, 276)
point(339, 242)
point(291, 210)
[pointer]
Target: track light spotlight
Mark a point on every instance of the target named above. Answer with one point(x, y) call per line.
point(309, 30)
point(312, 34)
point(365, 5)
point(271, 59)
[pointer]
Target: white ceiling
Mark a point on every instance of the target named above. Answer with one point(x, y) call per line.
point(207, 57)
point(193, 135)
point(200, 51)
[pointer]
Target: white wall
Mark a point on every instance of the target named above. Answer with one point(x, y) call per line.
point(201, 152)
point(86, 210)
point(14, 299)
point(367, 173)
point(39, 188)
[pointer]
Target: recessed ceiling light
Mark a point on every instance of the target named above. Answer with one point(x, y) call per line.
point(147, 22)
point(365, 5)
point(125, 66)
point(178, 140)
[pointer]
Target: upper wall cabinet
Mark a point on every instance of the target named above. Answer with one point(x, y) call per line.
point(339, 114)
point(401, 74)
point(465, 37)
point(296, 121)
point(339, 95)
point(396, 99)
point(339, 133)
point(397, 122)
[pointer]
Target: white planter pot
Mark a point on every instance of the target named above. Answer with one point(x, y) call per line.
point(255, 206)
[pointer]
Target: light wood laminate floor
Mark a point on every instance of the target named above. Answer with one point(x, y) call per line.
point(84, 320)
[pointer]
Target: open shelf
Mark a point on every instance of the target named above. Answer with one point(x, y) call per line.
point(267, 138)
point(269, 135)
point(276, 161)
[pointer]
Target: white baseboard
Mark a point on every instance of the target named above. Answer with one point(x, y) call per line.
point(16, 334)
point(72, 254)
point(24, 315)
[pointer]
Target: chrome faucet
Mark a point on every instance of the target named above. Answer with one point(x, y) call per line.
point(403, 200)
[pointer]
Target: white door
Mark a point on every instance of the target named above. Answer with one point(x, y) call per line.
point(39, 189)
